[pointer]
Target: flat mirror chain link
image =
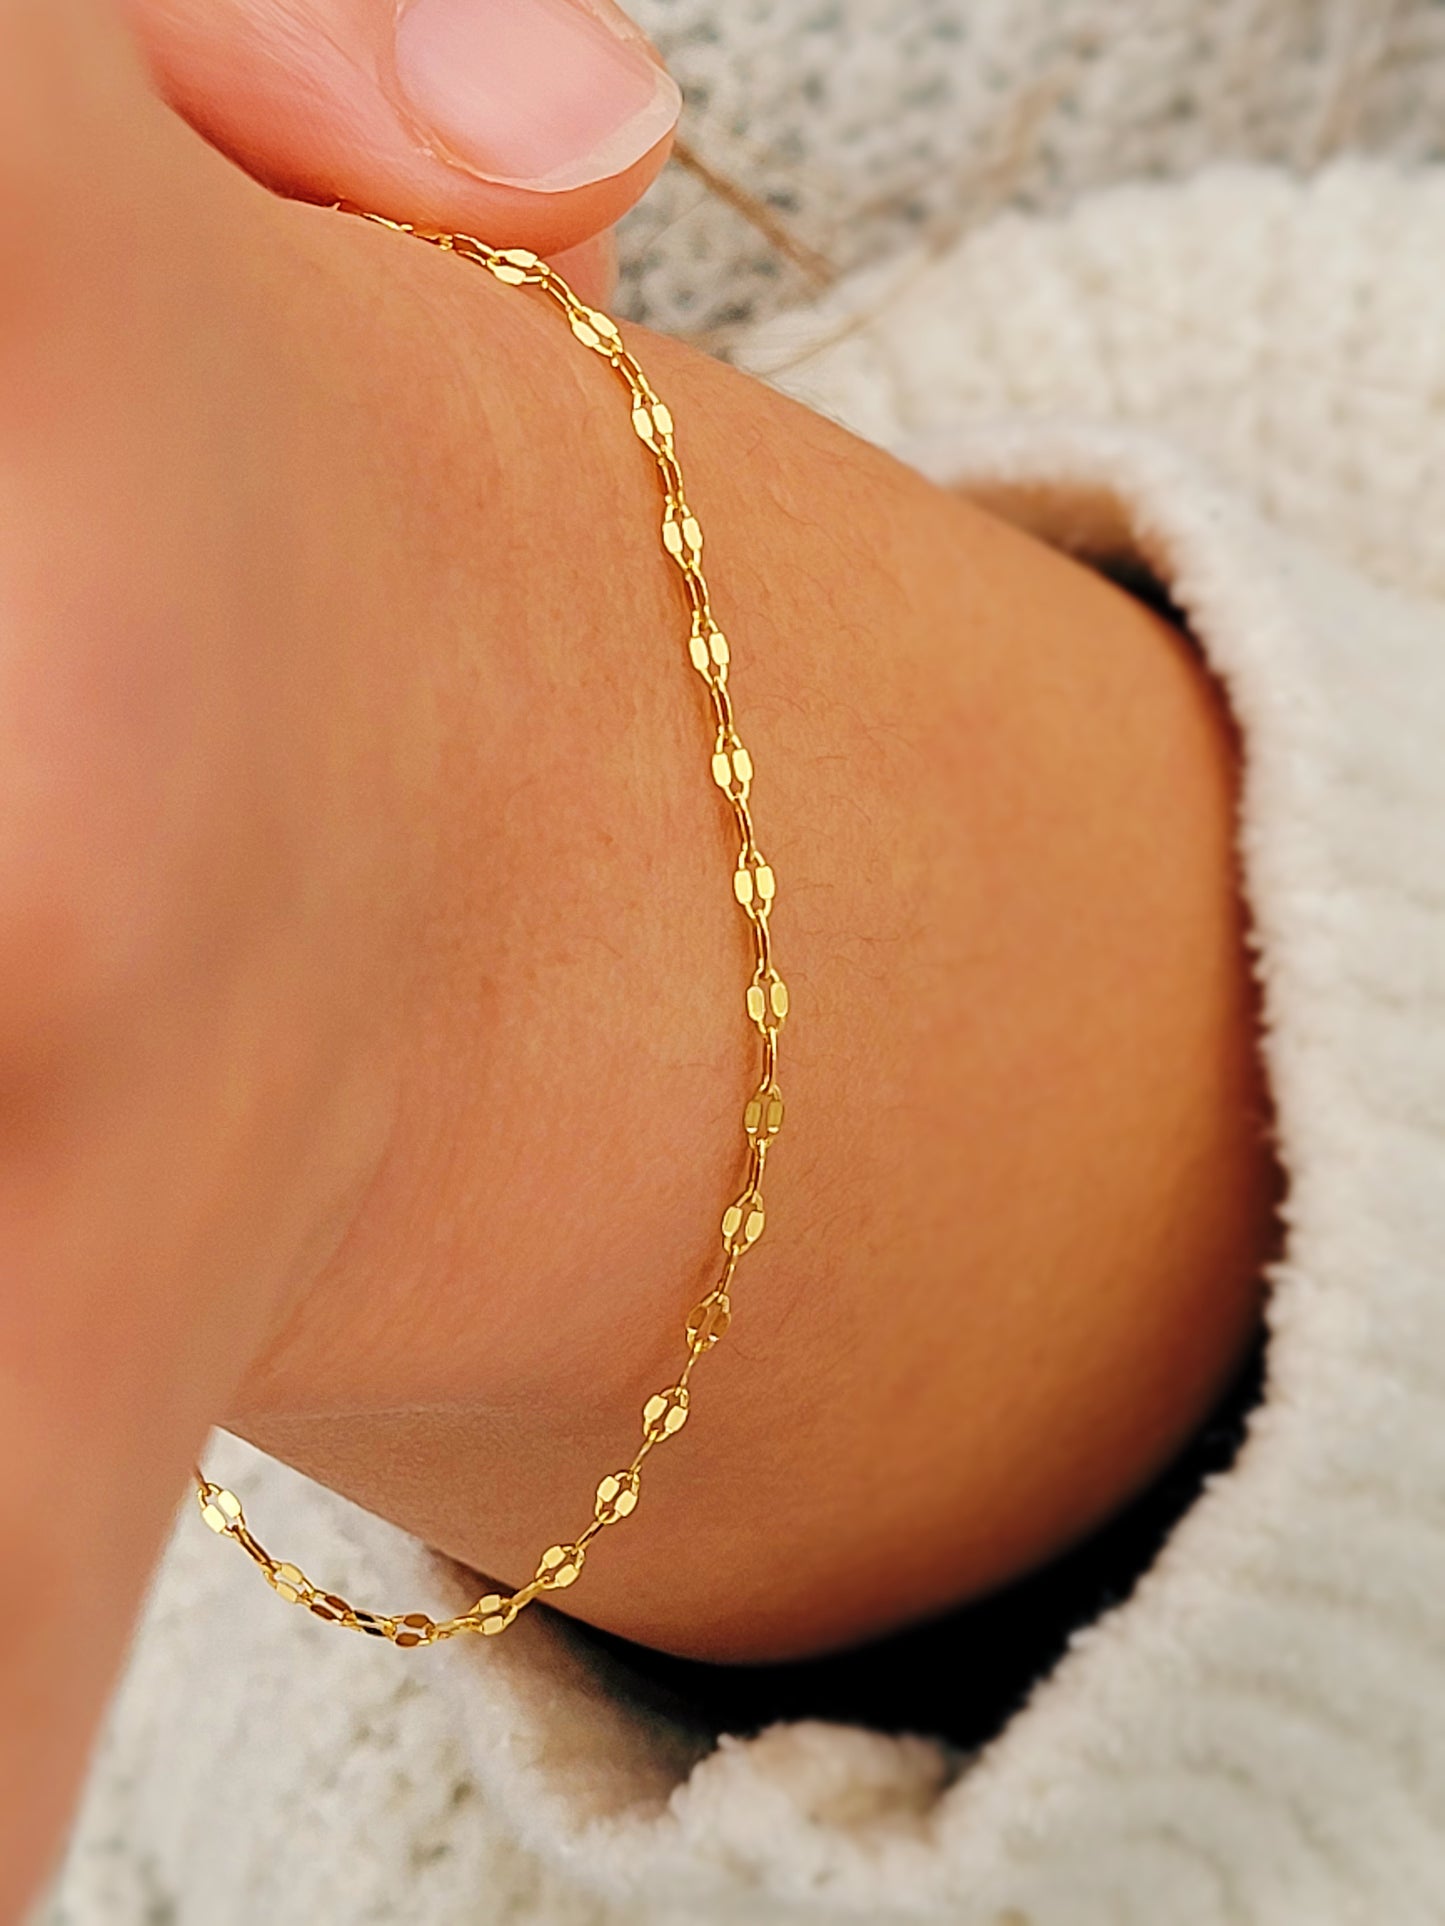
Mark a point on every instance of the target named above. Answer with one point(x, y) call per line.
point(766, 1002)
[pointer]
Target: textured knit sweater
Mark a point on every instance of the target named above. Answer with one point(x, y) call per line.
point(1233, 386)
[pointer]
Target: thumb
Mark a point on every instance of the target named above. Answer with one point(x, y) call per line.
point(529, 122)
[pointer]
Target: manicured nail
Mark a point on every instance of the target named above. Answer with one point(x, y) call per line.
point(542, 94)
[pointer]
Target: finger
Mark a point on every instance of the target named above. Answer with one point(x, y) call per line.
point(531, 122)
point(591, 268)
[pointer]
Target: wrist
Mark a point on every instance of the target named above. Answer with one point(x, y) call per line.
point(1018, 1255)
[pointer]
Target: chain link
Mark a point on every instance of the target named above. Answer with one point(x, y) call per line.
point(765, 1004)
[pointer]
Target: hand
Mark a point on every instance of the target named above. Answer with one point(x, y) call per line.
point(534, 121)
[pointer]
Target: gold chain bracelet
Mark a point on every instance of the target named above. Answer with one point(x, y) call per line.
point(663, 1415)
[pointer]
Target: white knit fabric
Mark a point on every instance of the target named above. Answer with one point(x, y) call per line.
point(868, 126)
point(1229, 380)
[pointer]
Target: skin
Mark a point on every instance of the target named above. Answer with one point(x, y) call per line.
point(371, 1047)
point(299, 93)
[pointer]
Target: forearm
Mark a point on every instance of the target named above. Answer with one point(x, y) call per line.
point(1016, 1218)
point(372, 1037)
